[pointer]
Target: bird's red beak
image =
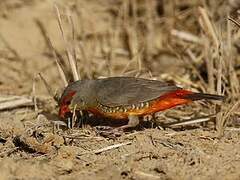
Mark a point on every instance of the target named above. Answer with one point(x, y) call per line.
point(64, 109)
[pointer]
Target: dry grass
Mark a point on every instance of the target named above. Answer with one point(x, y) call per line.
point(210, 47)
point(192, 43)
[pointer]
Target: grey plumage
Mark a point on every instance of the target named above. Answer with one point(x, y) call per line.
point(123, 91)
point(116, 91)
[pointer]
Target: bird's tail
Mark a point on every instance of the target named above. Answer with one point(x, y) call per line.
point(199, 96)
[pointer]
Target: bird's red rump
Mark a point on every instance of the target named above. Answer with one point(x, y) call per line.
point(168, 101)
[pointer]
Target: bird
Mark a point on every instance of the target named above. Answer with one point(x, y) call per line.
point(127, 98)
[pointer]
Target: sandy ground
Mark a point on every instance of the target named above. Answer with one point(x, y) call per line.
point(31, 147)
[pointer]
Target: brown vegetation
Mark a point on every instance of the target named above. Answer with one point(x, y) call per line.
point(192, 43)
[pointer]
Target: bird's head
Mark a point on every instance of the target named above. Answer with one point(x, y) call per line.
point(76, 96)
point(65, 104)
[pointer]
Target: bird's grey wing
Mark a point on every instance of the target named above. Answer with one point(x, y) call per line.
point(120, 91)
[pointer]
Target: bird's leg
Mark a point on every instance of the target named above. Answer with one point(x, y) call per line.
point(133, 122)
point(82, 118)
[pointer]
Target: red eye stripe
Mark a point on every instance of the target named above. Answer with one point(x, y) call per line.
point(66, 101)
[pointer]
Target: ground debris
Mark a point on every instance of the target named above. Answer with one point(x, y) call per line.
point(171, 41)
point(48, 144)
point(11, 102)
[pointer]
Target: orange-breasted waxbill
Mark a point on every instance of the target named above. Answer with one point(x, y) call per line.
point(125, 97)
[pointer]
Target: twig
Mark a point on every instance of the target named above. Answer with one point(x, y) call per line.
point(143, 175)
point(186, 36)
point(98, 151)
point(12, 102)
point(232, 129)
point(234, 21)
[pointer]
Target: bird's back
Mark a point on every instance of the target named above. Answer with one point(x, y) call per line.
point(120, 91)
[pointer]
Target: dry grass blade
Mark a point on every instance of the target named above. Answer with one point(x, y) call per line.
point(70, 21)
point(233, 78)
point(190, 121)
point(191, 65)
point(219, 118)
point(69, 50)
point(34, 93)
point(85, 57)
point(209, 29)
point(207, 25)
point(226, 115)
point(60, 23)
point(234, 21)
point(49, 89)
point(49, 44)
point(132, 40)
point(59, 65)
point(60, 70)
point(72, 49)
point(10, 48)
